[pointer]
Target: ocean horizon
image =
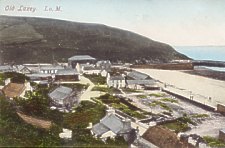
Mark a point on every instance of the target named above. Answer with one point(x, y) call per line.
point(215, 53)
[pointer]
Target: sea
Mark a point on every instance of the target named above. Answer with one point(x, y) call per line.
point(215, 53)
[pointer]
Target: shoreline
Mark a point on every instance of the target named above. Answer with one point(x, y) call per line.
point(208, 73)
point(205, 90)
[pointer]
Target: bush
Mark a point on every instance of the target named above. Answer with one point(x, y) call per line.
point(85, 113)
point(15, 132)
point(156, 95)
point(169, 100)
point(16, 77)
point(110, 90)
point(177, 126)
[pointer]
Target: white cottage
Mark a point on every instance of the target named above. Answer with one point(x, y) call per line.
point(112, 125)
point(117, 81)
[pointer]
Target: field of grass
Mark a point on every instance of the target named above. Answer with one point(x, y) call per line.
point(177, 126)
point(156, 95)
point(214, 142)
point(106, 89)
point(96, 79)
point(142, 96)
point(124, 107)
point(161, 104)
point(88, 112)
point(130, 90)
point(169, 100)
point(85, 113)
point(180, 125)
point(14, 132)
point(200, 116)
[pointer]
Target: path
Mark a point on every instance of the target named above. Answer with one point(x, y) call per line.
point(87, 94)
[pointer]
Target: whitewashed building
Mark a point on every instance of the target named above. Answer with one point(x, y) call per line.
point(117, 81)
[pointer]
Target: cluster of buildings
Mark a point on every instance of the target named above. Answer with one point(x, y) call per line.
point(112, 124)
point(70, 71)
point(78, 65)
point(131, 79)
point(64, 97)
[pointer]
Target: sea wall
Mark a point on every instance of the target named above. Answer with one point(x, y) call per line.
point(166, 66)
point(204, 106)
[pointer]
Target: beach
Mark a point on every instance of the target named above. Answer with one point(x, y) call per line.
point(205, 90)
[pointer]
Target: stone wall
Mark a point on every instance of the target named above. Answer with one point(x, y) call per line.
point(167, 66)
point(221, 108)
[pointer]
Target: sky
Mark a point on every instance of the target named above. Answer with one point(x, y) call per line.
point(176, 22)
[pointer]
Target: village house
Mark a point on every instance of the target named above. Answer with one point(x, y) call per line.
point(66, 134)
point(67, 74)
point(104, 65)
point(163, 137)
point(113, 125)
point(137, 80)
point(12, 90)
point(35, 68)
point(80, 59)
point(103, 73)
point(63, 97)
point(91, 69)
point(52, 69)
point(22, 69)
point(39, 77)
point(116, 81)
point(88, 69)
point(6, 68)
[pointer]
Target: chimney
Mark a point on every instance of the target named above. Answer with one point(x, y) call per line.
point(90, 125)
point(126, 124)
point(110, 111)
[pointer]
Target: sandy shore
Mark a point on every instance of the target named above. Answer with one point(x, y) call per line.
point(201, 87)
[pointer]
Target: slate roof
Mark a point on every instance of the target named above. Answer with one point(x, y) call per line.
point(91, 68)
point(116, 125)
point(140, 82)
point(51, 67)
point(117, 77)
point(67, 72)
point(103, 63)
point(21, 67)
point(39, 75)
point(5, 67)
point(81, 58)
point(223, 130)
point(138, 75)
point(100, 129)
point(113, 123)
point(60, 93)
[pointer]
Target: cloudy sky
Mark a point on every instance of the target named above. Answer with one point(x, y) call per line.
point(176, 22)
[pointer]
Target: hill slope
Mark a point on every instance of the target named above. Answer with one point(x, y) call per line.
point(30, 40)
